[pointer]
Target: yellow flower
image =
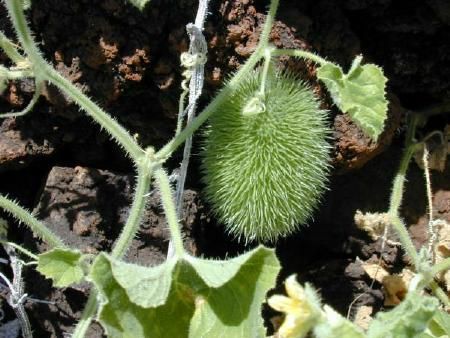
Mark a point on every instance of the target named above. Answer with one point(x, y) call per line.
point(301, 309)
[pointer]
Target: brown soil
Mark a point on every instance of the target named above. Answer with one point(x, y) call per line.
point(58, 163)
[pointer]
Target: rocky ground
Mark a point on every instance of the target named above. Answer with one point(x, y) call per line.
point(58, 163)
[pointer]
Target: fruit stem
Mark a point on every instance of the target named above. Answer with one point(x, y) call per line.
point(267, 62)
point(170, 147)
point(270, 17)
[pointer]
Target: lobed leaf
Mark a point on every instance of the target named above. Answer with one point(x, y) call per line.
point(185, 297)
point(359, 93)
point(234, 308)
point(409, 319)
point(63, 266)
point(146, 287)
point(335, 326)
point(121, 317)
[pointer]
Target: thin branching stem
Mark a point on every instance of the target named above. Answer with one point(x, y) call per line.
point(30, 105)
point(180, 111)
point(137, 209)
point(10, 49)
point(397, 194)
point(168, 204)
point(265, 71)
point(405, 239)
point(123, 243)
point(15, 74)
point(441, 266)
point(270, 17)
point(35, 225)
point(87, 316)
point(144, 170)
point(300, 54)
point(170, 147)
point(44, 71)
point(439, 293)
point(22, 250)
point(181, 137)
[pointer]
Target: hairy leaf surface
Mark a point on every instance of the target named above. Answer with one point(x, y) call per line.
point(359, 93)
point(185, 297)
point(234, 308)
point(336, 326)
point(63, 266)
point(122, 318)
point(409, 319)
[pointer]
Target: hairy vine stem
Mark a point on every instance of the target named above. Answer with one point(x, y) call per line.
point(395, 202)
point(397, 193)
point(148, 162)
point(168, 203)
point(87, 315)
point(35, 225)
point(137, 208)
point(10, 49)
point(300, 54)
point(44, 71)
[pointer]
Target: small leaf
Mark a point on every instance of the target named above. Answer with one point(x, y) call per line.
point(409, 319)
point(63, 266)
point(234, 308)
point(360, 93)
point(140, 4)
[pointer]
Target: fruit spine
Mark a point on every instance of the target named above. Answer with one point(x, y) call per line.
point(266, 157)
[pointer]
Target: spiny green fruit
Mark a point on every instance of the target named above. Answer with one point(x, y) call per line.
point(266, 157)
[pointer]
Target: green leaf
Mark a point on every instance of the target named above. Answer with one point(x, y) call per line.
point(439, 326)
point(359, 93)
point(409, 319)
point(122, 318)
point(63, 266)
point(335, 326)
point(185, 297)
point(234, 308)
point(140, 4)
point(215, 273)
point(146, 287)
